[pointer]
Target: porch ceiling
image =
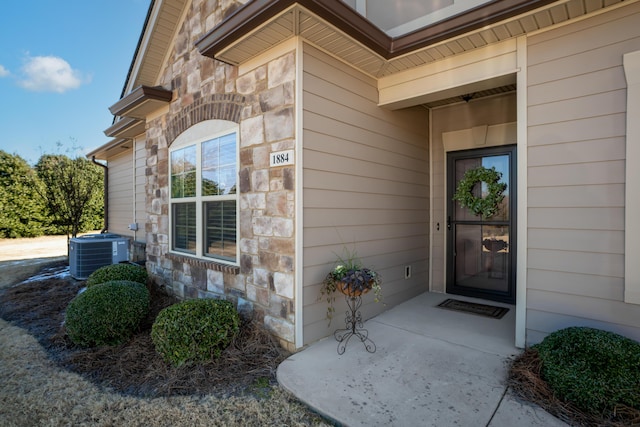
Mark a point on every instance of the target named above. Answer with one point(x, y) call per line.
point(337, 29)
point(470, 96)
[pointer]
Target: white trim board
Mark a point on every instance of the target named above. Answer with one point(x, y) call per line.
point(522, 192)
point(631, 63)
point(484, 68)
point(299, 206)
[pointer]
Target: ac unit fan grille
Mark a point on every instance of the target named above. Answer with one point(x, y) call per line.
point(88, 253)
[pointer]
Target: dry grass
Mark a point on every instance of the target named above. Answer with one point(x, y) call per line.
point(53, 382)
point(526, 381)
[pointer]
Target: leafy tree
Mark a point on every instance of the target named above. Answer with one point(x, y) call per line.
point(20, 207)
point(72, 191)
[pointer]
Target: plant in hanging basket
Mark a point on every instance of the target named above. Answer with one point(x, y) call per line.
point(350, 278)
point(353, 282)
point(488, 205)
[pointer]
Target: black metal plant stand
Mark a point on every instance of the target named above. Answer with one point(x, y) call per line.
point(354, 326)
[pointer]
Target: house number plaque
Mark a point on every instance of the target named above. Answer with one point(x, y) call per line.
point(281, 158)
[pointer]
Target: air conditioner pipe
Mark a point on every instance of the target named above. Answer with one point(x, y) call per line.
point(106, 194)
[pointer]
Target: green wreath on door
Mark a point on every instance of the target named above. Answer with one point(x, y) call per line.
point(489, 205)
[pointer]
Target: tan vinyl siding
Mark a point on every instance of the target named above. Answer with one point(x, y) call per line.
point(366, 187)
point(576, 139)
point(120, 193)
point(140, 194)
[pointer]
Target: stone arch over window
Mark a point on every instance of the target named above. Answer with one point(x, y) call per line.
point(225, 106)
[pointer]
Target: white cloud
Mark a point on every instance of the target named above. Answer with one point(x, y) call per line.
point(3, 71)
point(49, 74)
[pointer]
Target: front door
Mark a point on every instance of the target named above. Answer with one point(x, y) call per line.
point(481, 247)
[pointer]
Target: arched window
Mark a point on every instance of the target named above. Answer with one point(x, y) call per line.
point(203, 181)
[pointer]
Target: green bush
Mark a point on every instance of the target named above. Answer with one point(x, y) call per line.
point(107, 314)
point(131, 272)
point(593, 369)
point(21, 208)
point(194, 330)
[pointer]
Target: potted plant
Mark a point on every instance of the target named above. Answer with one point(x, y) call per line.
point(351, 279)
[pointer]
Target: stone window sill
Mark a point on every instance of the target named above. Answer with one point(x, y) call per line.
point(206, 264)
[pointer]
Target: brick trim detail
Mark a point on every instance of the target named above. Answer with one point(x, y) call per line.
point(208, 265)
point(222, 106)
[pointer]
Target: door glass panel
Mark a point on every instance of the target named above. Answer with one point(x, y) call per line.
point(501, 164)
point(464, 214)
point(482, 257)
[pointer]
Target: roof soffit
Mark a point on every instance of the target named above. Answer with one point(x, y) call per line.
point(333, 26)
point(142, 101)
point(258, 12)
point(110, 149)
point(128, 127)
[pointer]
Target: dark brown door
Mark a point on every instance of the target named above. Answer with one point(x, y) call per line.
point(481, 251)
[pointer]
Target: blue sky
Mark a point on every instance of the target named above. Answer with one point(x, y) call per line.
point(62, 64)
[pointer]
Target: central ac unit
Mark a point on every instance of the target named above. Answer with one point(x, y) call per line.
point(89, 252)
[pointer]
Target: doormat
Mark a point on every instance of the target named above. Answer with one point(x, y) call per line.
point(474, 308)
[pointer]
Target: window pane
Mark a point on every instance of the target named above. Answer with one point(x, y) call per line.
point(190, 159)
point(219, 166)
point(183, 172)
point(210, 182)
point(177, 186)
point(228, 179)
point(228, 149)
point(190, 184)
point(177, 163)
point(184, 227)
point(210, 150)
point(220, 229)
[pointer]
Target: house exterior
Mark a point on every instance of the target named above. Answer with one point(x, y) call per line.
point(255, 139)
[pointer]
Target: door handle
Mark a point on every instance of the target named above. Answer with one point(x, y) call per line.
point(448, 223)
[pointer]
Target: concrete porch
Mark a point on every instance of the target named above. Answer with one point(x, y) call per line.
point(432, 367)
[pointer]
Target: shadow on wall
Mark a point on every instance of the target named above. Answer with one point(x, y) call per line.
point(138, 252)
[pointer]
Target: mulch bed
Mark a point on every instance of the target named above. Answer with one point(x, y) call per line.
point(135, 368)
point(526, 381)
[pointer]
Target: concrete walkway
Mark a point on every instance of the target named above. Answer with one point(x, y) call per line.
point(432, 367)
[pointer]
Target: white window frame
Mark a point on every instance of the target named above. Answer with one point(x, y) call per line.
point(196, 135)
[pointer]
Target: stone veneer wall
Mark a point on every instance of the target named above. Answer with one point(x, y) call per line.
point(262, 102)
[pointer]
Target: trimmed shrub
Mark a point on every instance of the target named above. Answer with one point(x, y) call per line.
point(593, 369)
point(194, 330)
point(131, 272)
point(107, 314)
